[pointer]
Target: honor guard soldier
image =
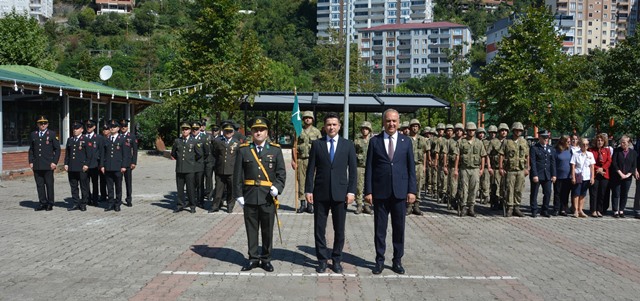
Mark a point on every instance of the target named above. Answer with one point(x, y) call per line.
point(259, 177)
point(94, 147)
point(106, 132)
point(44, 154)
point(436, 132)
point(485, 177)
point(186, 151)
point(76, 162)
point(514, 166)
point(301, 157)
point(453, 158)
point(420, 157)
point(471, 165)
point(114, 163)
point(209, 162)
point(200, 164)
point(426, 133)
point(361, 144)
point(131, 144)
point(225, 150)
point(496, 136)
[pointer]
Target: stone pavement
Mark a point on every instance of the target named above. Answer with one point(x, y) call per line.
point(149, 253)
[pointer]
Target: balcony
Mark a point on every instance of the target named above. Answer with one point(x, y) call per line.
point(404, 56)
point(404, 66)
point(404, 47)
point(404, 37)
point(405, 75)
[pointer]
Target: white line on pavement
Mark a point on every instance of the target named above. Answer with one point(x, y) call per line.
point(421, 277)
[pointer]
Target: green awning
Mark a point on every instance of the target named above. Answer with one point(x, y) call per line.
point(34, 78)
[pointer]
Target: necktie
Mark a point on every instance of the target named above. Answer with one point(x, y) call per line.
point(41, 134)
point(113, 139)
point(332, 151)
point(259, 150)
point(391, 150)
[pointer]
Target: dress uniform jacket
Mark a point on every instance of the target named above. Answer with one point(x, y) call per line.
point(186, 154)
point(543, 163)
point(44, 150)
point(78, 153)
point(246, 168)
point(225, 154)
point(94, 148)
point(132, 143)
point(117, 154)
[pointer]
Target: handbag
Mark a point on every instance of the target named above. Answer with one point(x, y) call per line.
point(578, 178)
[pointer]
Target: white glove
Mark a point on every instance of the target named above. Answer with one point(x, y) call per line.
point(274, 191)
point(240, 201)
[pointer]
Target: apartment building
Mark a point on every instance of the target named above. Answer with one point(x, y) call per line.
point(402, 51)
point(42, 10)
point(331, 14)
point(115, 6)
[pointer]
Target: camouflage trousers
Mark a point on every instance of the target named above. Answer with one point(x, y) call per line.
point(485, 181)
point(301, 174)
point(468, 188)
point(514, 186)
point(497, 187)
point(452, 183)
point(433, 179)
point(442, 180)
point(419, 178)
point(360, 187)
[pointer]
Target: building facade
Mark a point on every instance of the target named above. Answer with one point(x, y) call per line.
point(115, 6)
point(42, 10)
point(402, 51)
point(331, 14)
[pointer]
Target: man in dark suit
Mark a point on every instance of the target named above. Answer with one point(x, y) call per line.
point(331, 186)
point(258, 178)
point(76, 163)
point(94, 147)
point(389, 183)
point(543, 172)
point(116, 159)
point(106, 133)
point(131, 144)
point(44, 154)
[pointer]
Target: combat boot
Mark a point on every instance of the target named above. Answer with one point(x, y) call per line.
point(516, 212)
point(367, 209)
point(416, 208)
point(309, 208)
point(303, 206)
point(358, 209)
point(409, 209)
point(471, 212)
point(509, 211)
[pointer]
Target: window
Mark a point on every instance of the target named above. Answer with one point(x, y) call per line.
point(588, 41)
point(366, 44)
point(391, 62)
point(423, 70)
point(389, 81)
point(391, 43)
point(392, 20)
point(457, 31)
point(579, 23)
point(415, 70)
point(579, 40)
point(433, 70)
point(416, 61)
point(391, 52)
point(589, 32)
point(572, 6)
point(424, 51)
point(433, 61)
point(365, 35)
point(389, 71)
point(579, 32)
point(406, 4)
point(366, 53)
point(391, 4)
point(424, 60)
point(416, 51)
point(416, 42)
point(604, 24)
point(377, 42)
point(457, 41)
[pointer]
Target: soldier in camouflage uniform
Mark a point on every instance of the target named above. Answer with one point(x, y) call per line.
point(514, 166)
point(471, 165)
point(404, 128)
point(452, 157)
point(442, 147)
point(485, 177)
point(301, 157)
point(420, 157)
point(426, 133)
point(493, 151)
point(362, 144)
point(436, 133)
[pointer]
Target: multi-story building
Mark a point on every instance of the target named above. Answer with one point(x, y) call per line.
point(599, 23)
point(402, 51)
point(564, 26)
point(331, 14)
point(115, 6)
point(42, 10)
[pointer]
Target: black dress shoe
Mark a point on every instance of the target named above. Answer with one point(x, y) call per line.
point(337, 267)
point(128, 204)
point(397, 267)
point(621, 215)
point(41, 207)
point(214, 210)
point(545, 214)
point(193, 210)
point(378, 268)
point(229, 210)
point(49, 207)
point(250, 266)
point(267, 266)
point(117, 208)
point(322, 267)
point(83, 207)
point(76, 207)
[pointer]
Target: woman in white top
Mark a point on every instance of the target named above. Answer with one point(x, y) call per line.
point(582, 176)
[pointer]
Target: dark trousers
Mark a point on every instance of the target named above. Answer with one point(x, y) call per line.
point(183, 179)
point(44, 185)
point(223, 182)
point(546, 195)
point(114, 187)
point(103, 187)
point(208, 181)
point(561, 191)
point(397, 208)
point(128, 179)
point(259, 218)
point(79, 178)
point(636, 200)
point(338, 215)
point(198, 179)
point(92, 176)
point(598, 194)
point(620, 194)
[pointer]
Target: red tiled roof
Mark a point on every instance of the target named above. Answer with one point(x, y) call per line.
point(412, 26)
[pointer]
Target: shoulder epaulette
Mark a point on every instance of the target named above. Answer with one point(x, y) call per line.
point(244, 144)
point(274, 144)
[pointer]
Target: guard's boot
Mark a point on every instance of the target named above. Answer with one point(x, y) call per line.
point(409, 209)
point(359, 209)
point(303, 207)
point(416, 208)
point(517, 212)
point(309, 208)
point(510, 211)
point(471, 212)
point(367, 209)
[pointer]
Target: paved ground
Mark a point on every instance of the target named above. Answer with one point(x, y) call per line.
point(149, 253)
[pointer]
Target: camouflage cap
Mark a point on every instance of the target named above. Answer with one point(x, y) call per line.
point(448, 126)
point(503, 126)
point(404, 125)
point(366, 124)
point(306, 114)
point(472, 126)
point(517, 126)
point(414, 121)
point(458, 126)
point(440, 126)
point(492, 129)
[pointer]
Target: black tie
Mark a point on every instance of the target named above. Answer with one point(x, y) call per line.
point(259, 150)
point(113, 139)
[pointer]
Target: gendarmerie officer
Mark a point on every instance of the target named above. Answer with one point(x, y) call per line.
point(131, 143)
point(199, 176)
point(186, 151)
point(209, 162)
point(44, 154)
point(94, 147)
point(106, 132)
point(259, 176)
point(76, 162)
point(116, 159)
point(225, 149)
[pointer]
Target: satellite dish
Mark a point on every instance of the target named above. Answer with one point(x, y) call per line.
point(106, 72)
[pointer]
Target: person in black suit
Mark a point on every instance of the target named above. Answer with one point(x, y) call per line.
point(131, 144)
point(116, 159)
point(44, 154)
point(389, 183)
point(94, 147)
point(623, 169)
point(102, 140)
point(76, 163)
point(543, 173)
point(331, 186)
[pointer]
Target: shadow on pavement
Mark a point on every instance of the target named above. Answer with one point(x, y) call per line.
point(294, 257)
point(346, 258)
point(29, 204)
point(169, 201)
point(223, 254)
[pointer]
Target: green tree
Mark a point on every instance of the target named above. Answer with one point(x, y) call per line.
point(110, 24)
point(145, 18)
point(24, 42)
point(86, 17)
point(530, 76)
